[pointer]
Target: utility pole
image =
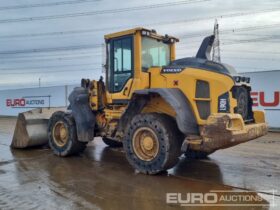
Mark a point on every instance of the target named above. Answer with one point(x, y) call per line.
point(216, 52)
point(39, 82)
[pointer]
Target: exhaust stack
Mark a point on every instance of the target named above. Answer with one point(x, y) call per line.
point(205, 48)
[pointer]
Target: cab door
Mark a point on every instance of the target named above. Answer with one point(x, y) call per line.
point(120, 68)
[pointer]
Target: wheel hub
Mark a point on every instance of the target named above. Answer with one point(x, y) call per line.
point(148, 143)
point(60, 134)
point(145, 143)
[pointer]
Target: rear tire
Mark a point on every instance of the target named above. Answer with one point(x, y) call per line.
point(152, 143)
point(242, 102)
point(112, 143)
point(62, 135)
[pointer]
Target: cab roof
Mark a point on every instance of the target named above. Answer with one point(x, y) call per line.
point(152, 33)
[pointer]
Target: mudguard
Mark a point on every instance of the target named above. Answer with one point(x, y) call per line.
point(82, 113)
point(185, 118)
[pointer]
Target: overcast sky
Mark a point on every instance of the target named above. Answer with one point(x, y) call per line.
point(59, 40)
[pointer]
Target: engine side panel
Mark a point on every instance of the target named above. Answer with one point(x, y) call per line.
point(186, 80)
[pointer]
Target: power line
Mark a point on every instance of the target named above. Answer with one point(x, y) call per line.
point(274, 41)
point(233, 30)
point(240, 41)
point(246, 58)
point(94, 46)
point(48, 67)
point(55, 71)
point(49, 4)
point(254, 52)
point(252, 68)
point(82, 47)
point(55, 55)
point(223, 16)
point(56, 33)
point(51, 49)
point(47, 59)
point(244, 41)
point(254, 34)
point(99, 12)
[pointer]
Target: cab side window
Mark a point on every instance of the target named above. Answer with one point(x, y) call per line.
point(121, 67)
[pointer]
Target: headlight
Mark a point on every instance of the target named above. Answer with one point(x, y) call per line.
point(145, 33)
point(237, 79)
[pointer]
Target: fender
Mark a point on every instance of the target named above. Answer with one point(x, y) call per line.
point(185, 117)
point(82, 113)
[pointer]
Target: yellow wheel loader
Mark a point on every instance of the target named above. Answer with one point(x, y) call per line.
point(153, 105)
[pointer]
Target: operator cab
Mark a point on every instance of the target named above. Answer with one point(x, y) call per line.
point(154, 53)
point(131, 53)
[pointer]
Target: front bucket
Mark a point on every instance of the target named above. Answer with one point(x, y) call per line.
point(31, 127)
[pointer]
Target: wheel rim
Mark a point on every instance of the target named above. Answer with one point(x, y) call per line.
point(145, 144)
point(60, 134)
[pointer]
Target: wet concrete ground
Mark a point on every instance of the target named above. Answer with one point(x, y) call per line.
point(101, 178)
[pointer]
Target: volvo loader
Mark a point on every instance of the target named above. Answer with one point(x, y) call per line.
point(156, 106)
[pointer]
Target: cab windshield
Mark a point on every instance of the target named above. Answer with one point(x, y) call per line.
point(154, 53)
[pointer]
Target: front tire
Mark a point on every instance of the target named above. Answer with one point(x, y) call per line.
point(62, 135)
point(152, 143)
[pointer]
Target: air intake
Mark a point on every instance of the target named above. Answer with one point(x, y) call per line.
point(202, 97)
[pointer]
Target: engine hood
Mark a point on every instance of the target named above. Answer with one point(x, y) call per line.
point(179, 65)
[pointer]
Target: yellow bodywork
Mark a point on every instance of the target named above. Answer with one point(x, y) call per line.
point(153, 78)
point(159, 105)
point(199, 94)
point(226, 130)
point(186, 80)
